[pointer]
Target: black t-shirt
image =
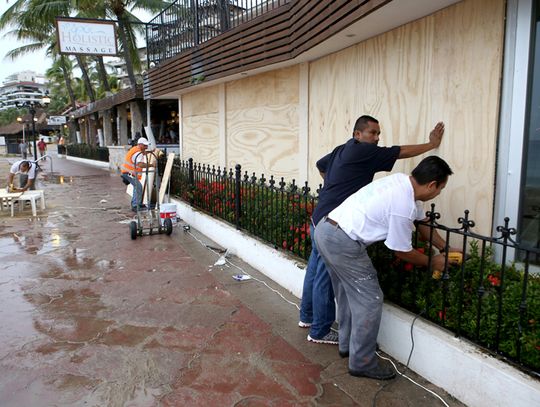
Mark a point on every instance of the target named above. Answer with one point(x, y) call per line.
point(348, 168)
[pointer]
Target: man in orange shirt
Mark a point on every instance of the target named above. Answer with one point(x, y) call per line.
point(132, 169)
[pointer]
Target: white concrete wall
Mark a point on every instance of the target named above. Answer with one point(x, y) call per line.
point(472, 376)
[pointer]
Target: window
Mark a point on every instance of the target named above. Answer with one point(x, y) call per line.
point(530, 195)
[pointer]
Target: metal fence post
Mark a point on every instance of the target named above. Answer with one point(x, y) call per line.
point(195, 8)
point(237, 195)
point(191, 180)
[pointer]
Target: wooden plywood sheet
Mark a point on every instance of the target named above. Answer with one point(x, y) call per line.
point(447, 67)
point(264, 140)
point(165, 178)
point(201, 138)
point(200, 102)
point(278, 87)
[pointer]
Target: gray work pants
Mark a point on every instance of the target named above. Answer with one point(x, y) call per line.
point(20, 181)
point(357, 291)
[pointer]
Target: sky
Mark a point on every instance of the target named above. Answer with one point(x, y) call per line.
point(38, 61)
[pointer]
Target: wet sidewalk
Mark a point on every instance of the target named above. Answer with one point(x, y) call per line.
point(89, 317)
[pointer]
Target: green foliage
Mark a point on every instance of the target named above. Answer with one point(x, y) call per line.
point(278, 216)
point(88, 151)
point(10, 116)
point(467, 300)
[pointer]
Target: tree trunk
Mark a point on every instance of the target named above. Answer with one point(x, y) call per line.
point(69, 87)
point(103, 74)
point(136, 110)
point(86, 78)
point(127, 55)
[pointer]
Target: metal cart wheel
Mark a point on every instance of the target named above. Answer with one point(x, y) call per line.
point(133, 229)
point(168, 226)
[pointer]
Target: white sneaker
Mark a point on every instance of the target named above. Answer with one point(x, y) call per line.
point(304, 324)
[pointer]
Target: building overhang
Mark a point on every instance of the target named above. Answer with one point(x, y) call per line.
point(291, 34)
point(123, 96)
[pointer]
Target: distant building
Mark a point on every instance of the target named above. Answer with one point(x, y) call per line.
point(21, 87)
point(119, 65)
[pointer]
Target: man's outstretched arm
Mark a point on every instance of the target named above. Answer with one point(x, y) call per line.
point(435, 137)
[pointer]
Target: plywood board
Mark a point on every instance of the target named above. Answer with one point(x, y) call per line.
point(264, 140)
point(447, 67)
point(200, 102)
point(165, 177)
point(279, 87)
point(201, 138)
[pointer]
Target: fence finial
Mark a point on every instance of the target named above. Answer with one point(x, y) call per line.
point(506, 231)
point(465, 223)
point(432, 215)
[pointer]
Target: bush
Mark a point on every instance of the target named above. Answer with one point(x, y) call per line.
point(468, 301)
point(89, 152)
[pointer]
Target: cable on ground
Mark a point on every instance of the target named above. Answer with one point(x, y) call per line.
point(219, 252)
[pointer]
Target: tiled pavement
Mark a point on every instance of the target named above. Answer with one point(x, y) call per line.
point(89, 317)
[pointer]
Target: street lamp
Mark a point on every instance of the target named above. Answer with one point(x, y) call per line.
point(31, 106)
point(20, 120)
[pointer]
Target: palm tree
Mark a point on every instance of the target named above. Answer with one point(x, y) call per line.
point(128, 25)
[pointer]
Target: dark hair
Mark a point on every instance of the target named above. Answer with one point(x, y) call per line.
point(362, 122)
point(26, 164)
point(430, 169)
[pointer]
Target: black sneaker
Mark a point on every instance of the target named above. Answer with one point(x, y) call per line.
point(344, 354)
point(331, 338)
point(383, 371)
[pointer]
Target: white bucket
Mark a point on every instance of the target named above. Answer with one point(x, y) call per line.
point(167, 211)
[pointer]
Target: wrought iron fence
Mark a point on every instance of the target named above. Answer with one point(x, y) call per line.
point(487, 299)
point(88, 151)
point(188, 23)
point(277, 212)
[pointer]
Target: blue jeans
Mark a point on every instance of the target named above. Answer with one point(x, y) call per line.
point(136, 199)
point(317, 306)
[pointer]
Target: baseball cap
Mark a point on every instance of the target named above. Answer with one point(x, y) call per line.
point(144, 141)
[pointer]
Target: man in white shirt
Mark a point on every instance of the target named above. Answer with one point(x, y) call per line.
point(26, 172)
point(384, 210)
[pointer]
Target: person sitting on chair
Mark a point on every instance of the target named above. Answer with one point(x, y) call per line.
point(26, 172)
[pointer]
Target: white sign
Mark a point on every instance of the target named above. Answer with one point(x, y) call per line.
point(2, 141)
point(86, 37)
point(56, 120)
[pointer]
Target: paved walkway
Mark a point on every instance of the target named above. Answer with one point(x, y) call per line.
point(89, 317)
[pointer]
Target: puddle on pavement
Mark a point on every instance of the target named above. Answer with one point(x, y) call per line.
point(15, 312)
point(8, 245)
point(56, 178)
point(36, 243)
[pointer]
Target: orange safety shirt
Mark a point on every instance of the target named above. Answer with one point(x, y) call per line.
point(128, 167)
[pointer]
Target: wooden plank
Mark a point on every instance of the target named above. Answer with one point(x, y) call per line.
point(165, 177)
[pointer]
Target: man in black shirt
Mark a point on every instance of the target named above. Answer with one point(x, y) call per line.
point(345, 170)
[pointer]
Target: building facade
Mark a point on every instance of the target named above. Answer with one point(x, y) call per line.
point(22, 87)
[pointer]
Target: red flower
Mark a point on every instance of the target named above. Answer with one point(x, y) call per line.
point(408, 267)
point(284, 244)
point(495, 281)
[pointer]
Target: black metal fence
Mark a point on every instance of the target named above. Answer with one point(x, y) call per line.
point(187, 23)
point(272, 210)
point(88, 151)
point(487, 299)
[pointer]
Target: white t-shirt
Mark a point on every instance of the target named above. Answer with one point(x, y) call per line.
point(383, 210)
point(15, 169)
